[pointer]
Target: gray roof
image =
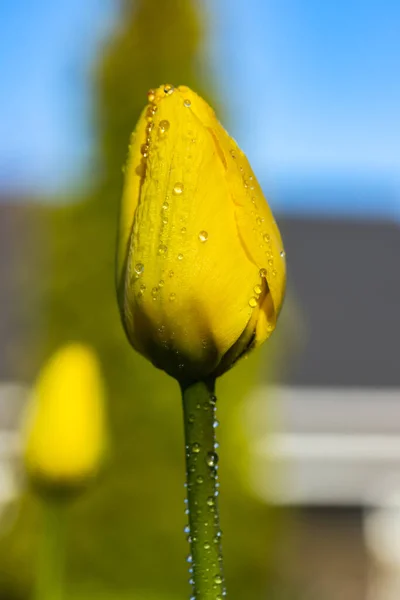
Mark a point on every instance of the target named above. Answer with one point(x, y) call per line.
point(344, 284)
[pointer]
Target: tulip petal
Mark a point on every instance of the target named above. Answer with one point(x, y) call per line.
point(203, 274)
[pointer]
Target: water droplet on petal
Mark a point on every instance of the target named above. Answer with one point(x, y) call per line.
point(180, 256)
point(218, 579)
point(151, 94)
point(172, 297)
point(216, 423)
point(171, 274)
point(139, 268)
point(282, 254)
point(162, 249)
point(200, 479)
point(233, 154)
point(183, 230)
point(257, 289)
point(263, 273)
point(206, 546)
point(266, 237)
point(203, 236)
point(169, 89)
point(196, 448)
point(210, 501)
point(187, 103)
point(164, 126)
point(253, 302)
point(178, 188)
point(165, 205)
point(189, 558)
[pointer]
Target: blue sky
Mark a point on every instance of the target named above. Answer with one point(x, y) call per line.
point(312, 89)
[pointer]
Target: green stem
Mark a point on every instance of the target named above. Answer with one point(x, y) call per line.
point(201, 473)
point(51, 557)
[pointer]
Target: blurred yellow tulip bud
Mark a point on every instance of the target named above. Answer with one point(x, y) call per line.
point(200, 266)
point(64, 429)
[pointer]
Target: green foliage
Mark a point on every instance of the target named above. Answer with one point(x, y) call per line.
point(126, 534)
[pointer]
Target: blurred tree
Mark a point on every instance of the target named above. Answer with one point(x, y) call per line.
point(126, 535)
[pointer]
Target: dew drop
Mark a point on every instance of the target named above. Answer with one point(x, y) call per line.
point(215, 424)
point(257, 289)
point(218, 579)
point(164, 126)
point(274, 273)
point(171, 274)
point(151, 95)
point(165, 205)
point(263, 273)
point(203, 236)
point(260, 220)
point(210, 501)
point(139, 268)
point(212, 458)
point(168, 89)
point(165, 220)
point(162, 249)
point(189, 558)
point(180, 256)
point(186, 529)
point(196, 447)
point(216, 445)
point(154, 292)
point(144, 149)
point(253, 302)
point(192, 418)
point(142, 287)
point(270, 262)
point(282, 254)
point(183, 230)
point(233, 154)
point(200, 479)
point(178, 188)
point(266, 237)
point(187, 103)
point(172, 297)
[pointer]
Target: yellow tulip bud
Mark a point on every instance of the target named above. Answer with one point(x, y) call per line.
point(200, 266)
point(65, 422)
